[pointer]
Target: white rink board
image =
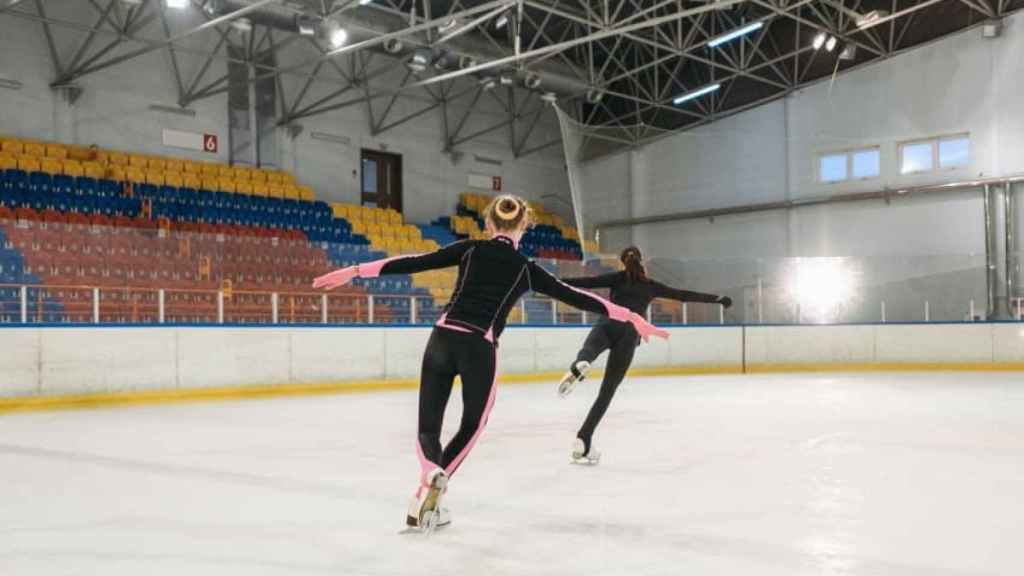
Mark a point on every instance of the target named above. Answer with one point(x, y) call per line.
point(53, 361)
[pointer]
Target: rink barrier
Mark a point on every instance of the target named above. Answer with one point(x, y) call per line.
point(56, 367)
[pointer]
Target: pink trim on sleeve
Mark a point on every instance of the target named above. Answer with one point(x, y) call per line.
point(615, 312)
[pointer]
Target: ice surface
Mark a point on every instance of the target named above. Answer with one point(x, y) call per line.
point(881, 475)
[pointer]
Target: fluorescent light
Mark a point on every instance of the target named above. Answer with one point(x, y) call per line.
point(502, 21)
point(697, 93)
point(735, 34)
point(338, 37)
point(177, 4)
point(365, 2)
point(819, 40)
point(830, 45)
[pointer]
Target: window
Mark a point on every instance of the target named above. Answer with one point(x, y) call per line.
point(916, 157)
point(935, 153)
point(833, 168)
point(866, 164)
point(859, 164)
point(954, 151)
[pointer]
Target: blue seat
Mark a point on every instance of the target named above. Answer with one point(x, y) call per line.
point(65, 184)
point(109, 188)
point(40, 182)
point(86, 185)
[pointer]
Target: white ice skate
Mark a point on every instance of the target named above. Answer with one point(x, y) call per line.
point(575, 375)
point(425, 512)
point(584, 455)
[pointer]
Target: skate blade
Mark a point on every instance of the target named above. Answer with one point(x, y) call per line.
point(586, 461)
point(566, 386)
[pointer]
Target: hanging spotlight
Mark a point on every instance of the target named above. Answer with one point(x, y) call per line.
point(830, 44)
point(505, 80)
point(338, 37)
point(365, 2)
point(393, 46)
point(467, 62)
point(532, 81)
point(594, 95)
point(502, 21)
point(177, 4)
point(306, 25)
point(243, 25)
point(448, 26)
point(819, 40)
point(420, 60)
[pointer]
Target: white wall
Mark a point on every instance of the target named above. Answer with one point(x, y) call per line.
point(963, 83)
point(113, 113)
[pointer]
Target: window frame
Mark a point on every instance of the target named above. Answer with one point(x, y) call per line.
point(849, 153)
point(934, 142)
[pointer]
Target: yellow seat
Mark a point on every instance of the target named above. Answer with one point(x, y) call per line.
point(94, 170)
point(116, 172)
point(155, 178)
point(260, 189)
point(73, 168)
point(138, 161)
point(99, 156)
point(80, 153)
point(193, 167)
point(306, 193)
point(13, 147)
point(242, 173)
point(191, 180)
point(225, 172)
point(51, 166)
point(243, 187)
point(359, 227)
point(209, 184)
point(274, 177)
point(56, 151)
point(28, 163)
point(257, 176)
point(209, 170)
point(156, 164)
point(174, 179)
point(226, 185)
point(118, 158)
point(172, 165)
point(35, 148)
point(134, 175)
point(275, 191)
point(8, 162)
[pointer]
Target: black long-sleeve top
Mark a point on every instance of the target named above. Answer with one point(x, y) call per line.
point(493, 275)
point(638, 295)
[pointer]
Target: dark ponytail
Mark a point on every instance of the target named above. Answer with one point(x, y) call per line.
point(633, 261)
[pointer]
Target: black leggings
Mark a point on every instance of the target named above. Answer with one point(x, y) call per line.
point(474, 359)
point(621, 340)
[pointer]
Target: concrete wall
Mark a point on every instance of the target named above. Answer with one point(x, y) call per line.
point(53, 361)
point(113, 112)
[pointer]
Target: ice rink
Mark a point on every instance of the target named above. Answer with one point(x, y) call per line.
point(882, 475)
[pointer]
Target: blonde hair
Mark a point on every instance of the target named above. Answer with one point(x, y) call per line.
point(507, 213)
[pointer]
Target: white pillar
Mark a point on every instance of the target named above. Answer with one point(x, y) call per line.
point(522, 310)
point(686, 310)
point(273, 308)
point(95, 305)
point(161, 298)
point(323, 308)
point(760, 301)
point(369, 308)
point(883, 311)
point(927, 312)
point(412, 309)
point(972, 311)
point(648, 314)
point(24, 304)
point(554, 311)
point(220, 306)
point(721, 314)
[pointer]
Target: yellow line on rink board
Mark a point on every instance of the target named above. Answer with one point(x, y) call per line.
point(146, 397)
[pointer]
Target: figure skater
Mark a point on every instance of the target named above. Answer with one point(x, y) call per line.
point(633, 289)
point(492, 276)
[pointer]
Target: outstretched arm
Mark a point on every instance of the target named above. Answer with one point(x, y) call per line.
point(662, 291)
point(602, 281)
point(443, 258)
point(543, 282)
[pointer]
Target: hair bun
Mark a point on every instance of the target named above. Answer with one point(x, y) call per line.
point(508, 209)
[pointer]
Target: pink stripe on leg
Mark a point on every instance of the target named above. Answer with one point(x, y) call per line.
point(425, 465)
point(483, 422)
